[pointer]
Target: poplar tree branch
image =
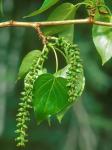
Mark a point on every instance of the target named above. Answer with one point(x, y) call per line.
point(53, 23)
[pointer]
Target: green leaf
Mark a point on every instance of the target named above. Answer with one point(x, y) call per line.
point(65, 11)
point(46, 4)
point(102, 37)
point(49, 96)
point(81, 81)
point(68, 34)
point(62, 72)
point(27, 63)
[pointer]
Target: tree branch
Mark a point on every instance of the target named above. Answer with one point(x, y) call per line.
point(53, 23)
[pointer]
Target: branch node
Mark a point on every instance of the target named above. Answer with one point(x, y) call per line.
point(91, 20)
point(11, 23)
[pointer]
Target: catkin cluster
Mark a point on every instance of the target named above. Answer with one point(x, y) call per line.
point(26, 98)
point(75, 82)
point(75, 77)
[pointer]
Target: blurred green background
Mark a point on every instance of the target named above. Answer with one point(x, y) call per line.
point(88, 124)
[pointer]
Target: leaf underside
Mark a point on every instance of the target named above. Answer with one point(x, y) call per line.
point(102, 37)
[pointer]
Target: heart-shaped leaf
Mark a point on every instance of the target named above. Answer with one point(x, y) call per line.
point(46, 4)
point(102, 37)
point(64, 11)
point(49, 96)
point(27, 63)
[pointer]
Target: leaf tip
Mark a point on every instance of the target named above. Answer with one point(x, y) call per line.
point(59, 118)
point(105, 60)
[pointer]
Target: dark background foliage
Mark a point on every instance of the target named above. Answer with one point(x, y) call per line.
point(88, 124)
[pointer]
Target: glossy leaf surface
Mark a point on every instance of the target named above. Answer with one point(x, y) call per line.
point(49, 96)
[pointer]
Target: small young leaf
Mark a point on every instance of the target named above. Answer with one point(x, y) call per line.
point(63, 12)
point(62, 72)
point(27, 63)
point(102, 37)
point(49, 96)
point(46, 4)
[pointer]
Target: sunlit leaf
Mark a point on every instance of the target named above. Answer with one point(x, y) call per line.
point(62, 72)
point(102, 37)
point(49, 96)
point(27, 62)
point(46, 4)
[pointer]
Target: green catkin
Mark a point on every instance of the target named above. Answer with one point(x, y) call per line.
point(75, 82)
point(75, 77)
point(23, 115)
